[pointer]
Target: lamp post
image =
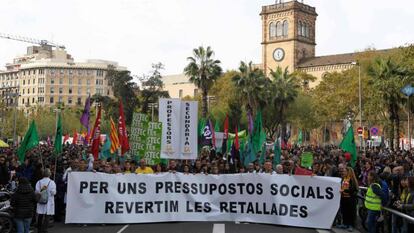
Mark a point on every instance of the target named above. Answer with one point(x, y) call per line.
point(408, 91)
point(152, 106)
point(362, 145)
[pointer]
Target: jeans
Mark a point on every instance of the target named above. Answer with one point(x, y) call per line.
point(23, 224)
point(372, 218)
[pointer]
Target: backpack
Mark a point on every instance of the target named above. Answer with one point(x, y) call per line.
point(386, 198)
point(44, 195)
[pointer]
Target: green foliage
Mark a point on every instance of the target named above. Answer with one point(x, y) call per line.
point(152, 88)
point(203, 70)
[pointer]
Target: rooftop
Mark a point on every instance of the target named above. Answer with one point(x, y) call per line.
point(284, 6)
point(346, 58)
point(175, 79)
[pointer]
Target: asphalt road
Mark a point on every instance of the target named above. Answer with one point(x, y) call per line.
point(194, 227)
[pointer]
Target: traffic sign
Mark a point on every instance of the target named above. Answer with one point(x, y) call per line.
point(374, 131)
point(360, 131)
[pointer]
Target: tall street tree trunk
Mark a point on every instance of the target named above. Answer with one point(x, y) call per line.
point(204, 107)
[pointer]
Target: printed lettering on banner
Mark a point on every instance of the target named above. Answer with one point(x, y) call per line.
point(300, 201)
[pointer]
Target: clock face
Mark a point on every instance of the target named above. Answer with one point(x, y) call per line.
point(278, 54)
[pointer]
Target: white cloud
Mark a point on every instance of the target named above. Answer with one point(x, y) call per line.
point(137, 33)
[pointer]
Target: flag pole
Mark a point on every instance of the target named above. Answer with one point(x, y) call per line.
point(57, 110)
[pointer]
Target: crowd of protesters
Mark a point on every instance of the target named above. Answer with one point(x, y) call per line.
point(387, 176)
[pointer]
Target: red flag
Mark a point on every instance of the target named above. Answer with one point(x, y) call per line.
point(236, 140)
point(75, 138)
point(66, 138)
point(122, 133)
point(96, 133)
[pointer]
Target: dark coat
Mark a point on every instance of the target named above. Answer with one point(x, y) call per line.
point(4, 174)
point(23, 201)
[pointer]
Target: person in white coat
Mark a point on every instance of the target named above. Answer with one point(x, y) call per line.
point(45, 211)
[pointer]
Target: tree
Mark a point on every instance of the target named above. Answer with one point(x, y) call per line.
point(388, 79)
point(125, 90)
point(251, 83)
point(152, 87)
point(284, 88)
point(203, 71)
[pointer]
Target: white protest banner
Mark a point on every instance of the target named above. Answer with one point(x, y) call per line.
point(261, 198)
point(170, 115)
point(189, 126)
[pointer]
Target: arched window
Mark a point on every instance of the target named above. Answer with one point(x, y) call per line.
point(285, 27)
point(272, 30)
point(300, 28)
point(304, 26)
point(308, 32)
point(279, 29)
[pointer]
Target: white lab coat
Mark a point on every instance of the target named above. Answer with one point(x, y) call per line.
point(49, 208)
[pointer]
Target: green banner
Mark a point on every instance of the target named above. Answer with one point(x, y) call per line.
point(306, 159)
point(145, 139)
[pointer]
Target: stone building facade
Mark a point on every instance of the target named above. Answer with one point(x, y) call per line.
point(48, 76)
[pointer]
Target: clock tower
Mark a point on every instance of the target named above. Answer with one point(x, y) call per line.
point(288, 31)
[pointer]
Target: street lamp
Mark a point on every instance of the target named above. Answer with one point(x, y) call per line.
point(360, 102)
point(408, 91)
point(152, 106)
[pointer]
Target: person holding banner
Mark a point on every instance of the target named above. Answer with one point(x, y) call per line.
point(143, 168)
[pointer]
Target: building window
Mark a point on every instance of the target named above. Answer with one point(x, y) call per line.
point(51, 100)
point(180, 93)
point(28, 90)
point(52, 71)
point(272, 30)
point(28, 82)
point(33, 90)
point(80, 72)
point(41, 71)
point(60, 99)
point(52, 81)
point(22, 100)
point(41, 81)
point(285, 28)
point(60, 90)
point(70, 100)
point(279, 29)
point(62, 71)
point(33, 100)
point(99, 91)
point(34, 71)
point(70, 81)
point(88, 72)
point(304, 26)
point(88, 91)
point(24, 82)
point(70, 72)
point(99, 82)
point(79, 81)
point(34, 81)
point(41, 90)
point(79, 102)
point(88, 82)
point(300, 28)
point(70, 90)
point(79, 90)
point(308, 30)
point(61, 81)
point(41, 99)
point(52, 90)
point(99, 73)
point(23, 91)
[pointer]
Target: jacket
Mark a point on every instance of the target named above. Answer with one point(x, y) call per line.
point(23, 201)
point(409, 206)
point(4, 174)
point(48, 208)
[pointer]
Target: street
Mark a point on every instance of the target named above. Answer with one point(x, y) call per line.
point(193, 227)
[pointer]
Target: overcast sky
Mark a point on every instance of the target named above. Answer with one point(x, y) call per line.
point(137, 33)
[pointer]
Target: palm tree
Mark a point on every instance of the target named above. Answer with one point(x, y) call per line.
point(389, 77)
point(251, 83)
point(284, 88)
point(203, 70)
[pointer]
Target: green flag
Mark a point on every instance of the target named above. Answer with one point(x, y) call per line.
point(262, 158)
point(300, 138)
point(277, 150)
point(106, 149)
point(348, 145)
point(259, 136)
point(58, 136)
point(30, 141)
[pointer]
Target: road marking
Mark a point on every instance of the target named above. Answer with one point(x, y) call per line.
point(322, 231)
point(123, 228)
point(218, 228)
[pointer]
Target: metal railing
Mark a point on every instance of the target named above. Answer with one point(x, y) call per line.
point(392, 211)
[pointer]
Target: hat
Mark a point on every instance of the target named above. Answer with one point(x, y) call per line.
point(347, 156)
